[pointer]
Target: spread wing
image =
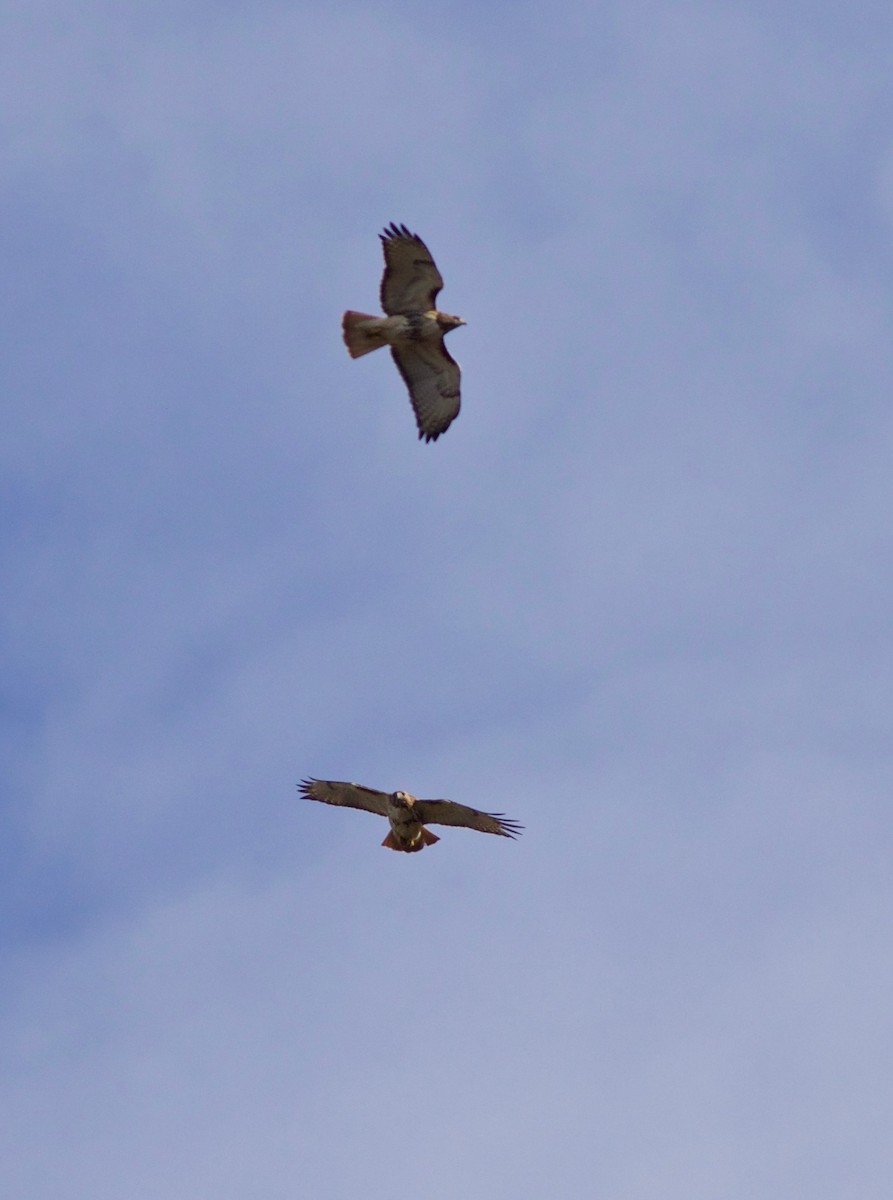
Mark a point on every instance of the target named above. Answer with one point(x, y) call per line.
point(432, 376)
point(411, 279)
point(348, 795)
point(445, 812)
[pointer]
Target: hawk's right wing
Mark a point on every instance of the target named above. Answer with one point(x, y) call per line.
point(432, 376)
point(347, 795)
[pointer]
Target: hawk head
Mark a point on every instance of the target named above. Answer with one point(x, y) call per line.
point(446, 322)
point(403, 800)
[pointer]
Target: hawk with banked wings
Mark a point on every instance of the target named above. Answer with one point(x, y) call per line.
point(406, 814)
point(414, 329)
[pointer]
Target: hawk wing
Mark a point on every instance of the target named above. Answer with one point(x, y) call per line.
point(432, 376)
point(411, 279)
point(348, 795)
point(445, 812)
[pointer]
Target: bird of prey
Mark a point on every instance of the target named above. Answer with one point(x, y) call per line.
point(413, 328)
point(408, 815)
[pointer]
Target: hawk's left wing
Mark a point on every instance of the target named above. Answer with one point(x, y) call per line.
point(411, 279)
point(446, 812)
point(432, 376)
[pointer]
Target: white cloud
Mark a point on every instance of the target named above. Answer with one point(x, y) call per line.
point(637, 598)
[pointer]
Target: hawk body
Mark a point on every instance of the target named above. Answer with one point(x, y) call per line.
point(406, 814)
point(414, 329)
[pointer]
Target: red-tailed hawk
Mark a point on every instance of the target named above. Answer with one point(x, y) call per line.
point(414, 330)
point(408, 815)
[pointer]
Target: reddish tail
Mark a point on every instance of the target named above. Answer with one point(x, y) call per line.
point(425, 838)
point(359, 337)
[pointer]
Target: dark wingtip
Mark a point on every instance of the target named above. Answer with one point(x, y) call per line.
point(431, 437)
point(398, 232)
point(507, 826)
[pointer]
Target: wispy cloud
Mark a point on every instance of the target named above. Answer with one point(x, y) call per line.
point(637, 598)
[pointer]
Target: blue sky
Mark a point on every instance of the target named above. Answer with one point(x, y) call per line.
point(637, 597)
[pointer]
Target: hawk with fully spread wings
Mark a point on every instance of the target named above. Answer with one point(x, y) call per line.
point(408, 815)
point(414, 329)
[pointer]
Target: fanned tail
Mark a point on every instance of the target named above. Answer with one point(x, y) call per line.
point(425, 838)
point(360, 335)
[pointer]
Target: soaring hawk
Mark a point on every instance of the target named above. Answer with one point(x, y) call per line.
point(408, 815)
point(414, 330)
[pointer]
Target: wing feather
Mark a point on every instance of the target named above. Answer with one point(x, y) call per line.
point(347, 795)
point(432, 377)
point(446, 812)
point(411, 280)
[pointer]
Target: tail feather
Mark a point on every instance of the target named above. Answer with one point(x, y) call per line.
point(359, 336)
point(425, 838)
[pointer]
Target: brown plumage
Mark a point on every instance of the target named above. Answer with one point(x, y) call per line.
point(414, 329)
point(406, 814)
